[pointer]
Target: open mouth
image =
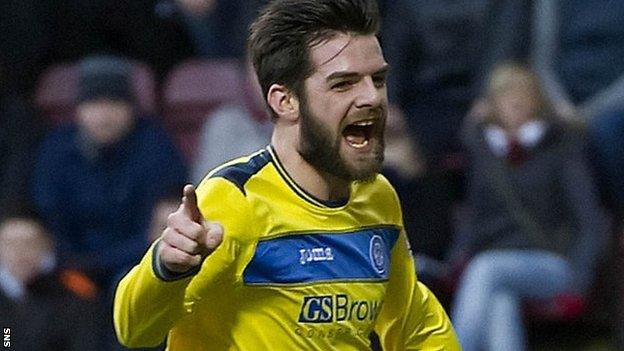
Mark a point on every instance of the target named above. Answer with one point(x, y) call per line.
point(359, 134)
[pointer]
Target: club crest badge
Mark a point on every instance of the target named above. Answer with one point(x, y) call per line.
point(377, 253)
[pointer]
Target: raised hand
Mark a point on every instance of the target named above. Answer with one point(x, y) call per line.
point(188, 237)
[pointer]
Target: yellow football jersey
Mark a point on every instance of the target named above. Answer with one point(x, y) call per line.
point(292, 273)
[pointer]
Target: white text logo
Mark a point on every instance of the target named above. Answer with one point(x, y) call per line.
point(315, 255)
point(6, 342)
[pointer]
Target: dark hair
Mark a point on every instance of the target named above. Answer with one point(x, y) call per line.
point(286, 29)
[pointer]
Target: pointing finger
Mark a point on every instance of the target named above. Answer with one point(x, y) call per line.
point(189, 203)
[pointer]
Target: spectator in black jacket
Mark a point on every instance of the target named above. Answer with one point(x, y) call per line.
point(46, 309)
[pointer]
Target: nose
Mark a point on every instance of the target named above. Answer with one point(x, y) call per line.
point(369, 94)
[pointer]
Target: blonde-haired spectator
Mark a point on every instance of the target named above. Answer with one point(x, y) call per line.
point(537, 229)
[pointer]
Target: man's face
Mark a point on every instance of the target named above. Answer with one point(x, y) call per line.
point(105, 121)
point(343, 110)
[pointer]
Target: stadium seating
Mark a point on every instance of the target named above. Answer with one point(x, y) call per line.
point(57, 88)
point(55, 92)
point(191, 91)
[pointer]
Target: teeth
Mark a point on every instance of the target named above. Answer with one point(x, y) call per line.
point(356, 143)
point(363, 123)
point(359, 145)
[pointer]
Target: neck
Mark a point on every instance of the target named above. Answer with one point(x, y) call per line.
point(319, 184)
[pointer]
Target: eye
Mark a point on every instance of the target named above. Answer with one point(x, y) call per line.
point(379, 81)
point(342, 85)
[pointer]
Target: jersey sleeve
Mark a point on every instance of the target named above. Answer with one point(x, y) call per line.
point(147, 304)
point(411, 318)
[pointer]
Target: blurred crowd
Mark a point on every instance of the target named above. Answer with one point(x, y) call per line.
point(505, 143)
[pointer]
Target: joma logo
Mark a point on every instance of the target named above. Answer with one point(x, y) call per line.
point(315, 255)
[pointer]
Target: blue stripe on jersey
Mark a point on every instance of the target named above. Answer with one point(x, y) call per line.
point(314, 257)
point(239, 173)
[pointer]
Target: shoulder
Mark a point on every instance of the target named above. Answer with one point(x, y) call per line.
point(239, 171)
point(60, 139)
point(387, 191)
point(380, 195)
point(382, 184)
point(568, 137)
point(150, 141)
point(222, 194)
point(472, 133)
point(147, 128)
point(62, 131)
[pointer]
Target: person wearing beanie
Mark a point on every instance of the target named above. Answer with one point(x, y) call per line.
point(104, 77)
point(96, 178)
point(105, 100)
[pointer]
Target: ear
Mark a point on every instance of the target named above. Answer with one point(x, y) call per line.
point(283, 102)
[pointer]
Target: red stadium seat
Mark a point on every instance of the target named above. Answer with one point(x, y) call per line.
point(563, 307)
point(193, 90)
point(55, 94)
point(56, 90)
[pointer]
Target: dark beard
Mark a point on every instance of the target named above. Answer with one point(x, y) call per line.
point(319, 149)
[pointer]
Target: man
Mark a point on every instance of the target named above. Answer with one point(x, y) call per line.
point(309, 251)
point(33, 291)
point(94, 178)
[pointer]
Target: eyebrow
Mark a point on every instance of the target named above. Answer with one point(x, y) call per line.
point(350, 74)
